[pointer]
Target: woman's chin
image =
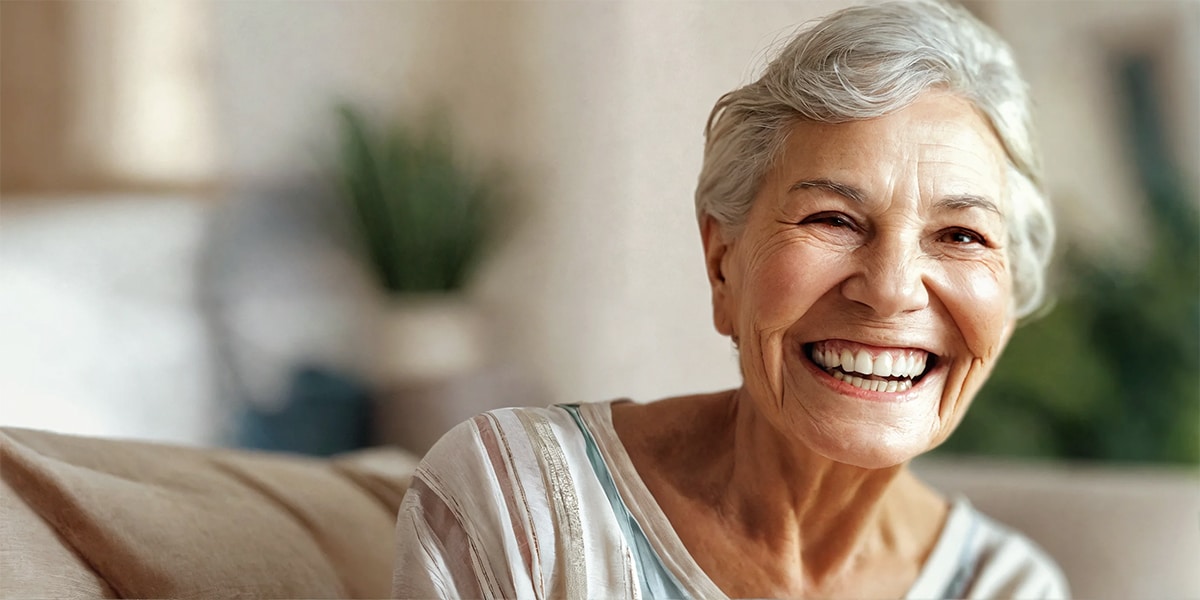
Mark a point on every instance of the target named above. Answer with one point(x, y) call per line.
point(870, 447)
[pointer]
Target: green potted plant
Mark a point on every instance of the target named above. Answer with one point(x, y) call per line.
point(422, 218)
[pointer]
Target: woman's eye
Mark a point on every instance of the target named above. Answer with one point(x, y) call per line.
point(830, 219)
point(963, 236)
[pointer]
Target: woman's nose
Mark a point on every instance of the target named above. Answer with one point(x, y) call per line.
point(888, 278)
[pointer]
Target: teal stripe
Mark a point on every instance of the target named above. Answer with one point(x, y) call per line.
point(656, 580)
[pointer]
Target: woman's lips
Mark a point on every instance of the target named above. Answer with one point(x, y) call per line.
point(888, 370)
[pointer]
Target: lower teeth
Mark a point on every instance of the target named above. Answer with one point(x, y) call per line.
point(873, 385)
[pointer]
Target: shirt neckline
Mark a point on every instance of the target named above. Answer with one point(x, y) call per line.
point(942, 567)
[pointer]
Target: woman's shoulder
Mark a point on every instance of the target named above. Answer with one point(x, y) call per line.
point(520, 436)
point(497, 488)
point(491, 430)
point(560, 424)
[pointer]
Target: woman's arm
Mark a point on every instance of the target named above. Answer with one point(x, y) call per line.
point(430, 560)
point(454, 538)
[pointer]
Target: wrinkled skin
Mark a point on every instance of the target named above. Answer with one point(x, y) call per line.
point(914, 260)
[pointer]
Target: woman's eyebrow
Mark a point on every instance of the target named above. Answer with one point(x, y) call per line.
point(840, 189)
point(964, 201)
point(954, 202)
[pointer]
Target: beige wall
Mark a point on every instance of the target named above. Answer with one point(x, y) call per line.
point(33, 109)
point(104, 96)
point(599, 107)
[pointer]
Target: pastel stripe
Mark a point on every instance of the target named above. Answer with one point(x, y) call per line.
point(488, 435)
point(479, 558)
point(450, 535)
point(571, 566)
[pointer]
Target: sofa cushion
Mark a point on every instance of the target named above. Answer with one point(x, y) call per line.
point(152, 520)
point(35, 562)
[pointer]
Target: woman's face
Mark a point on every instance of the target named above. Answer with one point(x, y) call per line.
point(869, 290)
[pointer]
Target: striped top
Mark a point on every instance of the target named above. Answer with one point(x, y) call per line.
point(545, 503)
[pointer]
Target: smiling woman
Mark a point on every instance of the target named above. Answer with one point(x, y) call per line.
point(860, 242)
point(872, 231)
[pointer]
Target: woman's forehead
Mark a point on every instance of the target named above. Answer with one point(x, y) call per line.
point(937, 141)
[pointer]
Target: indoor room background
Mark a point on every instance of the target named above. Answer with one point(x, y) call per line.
point(181, 262)
point(317, 226)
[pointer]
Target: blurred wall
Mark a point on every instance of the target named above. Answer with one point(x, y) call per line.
point(103, 96)
point(1067, 52)
point(32, 105)
point(599, 108)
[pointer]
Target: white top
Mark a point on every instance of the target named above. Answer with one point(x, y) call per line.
point(545, 503)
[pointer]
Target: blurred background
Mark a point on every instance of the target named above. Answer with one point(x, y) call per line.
point(315, 226)
point(220, 215)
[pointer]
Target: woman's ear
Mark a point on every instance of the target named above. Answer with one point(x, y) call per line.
point(716, 249)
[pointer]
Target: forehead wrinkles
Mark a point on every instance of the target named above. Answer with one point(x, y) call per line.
point(943, 137)
point(967, 153)
point(965, 148)
point(967, 174)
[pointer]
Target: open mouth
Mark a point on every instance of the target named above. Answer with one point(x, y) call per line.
point(891, 370)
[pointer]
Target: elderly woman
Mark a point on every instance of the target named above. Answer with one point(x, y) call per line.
point(872, 229)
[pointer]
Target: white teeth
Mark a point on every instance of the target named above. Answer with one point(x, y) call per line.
point(883, 365)
point(874, 385)
point(841, 364)
point(862, 363)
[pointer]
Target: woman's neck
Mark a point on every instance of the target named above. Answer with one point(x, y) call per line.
point(827, 514)
point(764, 515)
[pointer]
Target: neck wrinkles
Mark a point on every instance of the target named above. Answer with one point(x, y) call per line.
point(820, 513)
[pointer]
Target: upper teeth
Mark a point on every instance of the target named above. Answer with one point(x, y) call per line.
point(894, 363)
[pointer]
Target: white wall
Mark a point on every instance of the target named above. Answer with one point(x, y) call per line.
point(100, 332)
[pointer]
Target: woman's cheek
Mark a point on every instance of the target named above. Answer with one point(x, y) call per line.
point(982, 307)
point(788, 283)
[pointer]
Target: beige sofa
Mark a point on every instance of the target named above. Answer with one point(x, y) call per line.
point(86, 517)
point(92, 518)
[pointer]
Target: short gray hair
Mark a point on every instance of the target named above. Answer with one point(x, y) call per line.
point(868, 61)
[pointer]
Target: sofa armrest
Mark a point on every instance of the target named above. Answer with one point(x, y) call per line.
point(152, 520)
